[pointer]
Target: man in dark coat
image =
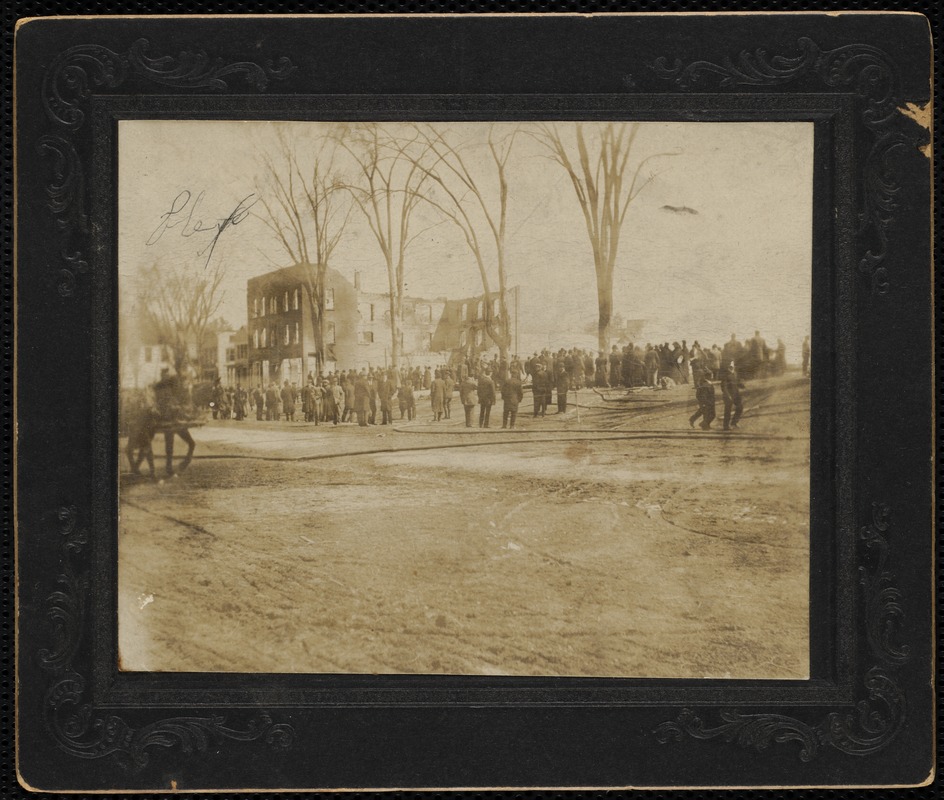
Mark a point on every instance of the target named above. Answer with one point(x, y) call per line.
point(731, 392)
point(562, 381)
point(705, 395)
point(217, 398)
point(758, 350)
point(242, 400)
point(288, 402)
point(486, 398)
point(332, 396)
point(806, 356)
point(272, 403)
point(730, 352)
point(539, 385)
point(258, 398)
point(372, 398)
point(626, 366)
point(385, 398)
point(406, 399)
point(308, 402)
point(511, 393)
point(467, 396)
point(615, 364)
point(362, 400)
point(601, 370)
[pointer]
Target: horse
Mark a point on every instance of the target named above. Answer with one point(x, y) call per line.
point(183, 431)
point(142, 425)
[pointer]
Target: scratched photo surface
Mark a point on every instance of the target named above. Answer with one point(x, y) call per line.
point(465, 398)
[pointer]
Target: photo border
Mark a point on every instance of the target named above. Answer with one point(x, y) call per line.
point(102, 728)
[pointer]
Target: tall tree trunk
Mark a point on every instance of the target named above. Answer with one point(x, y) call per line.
point(394, 327)
point(605, 302)
point(317, 328)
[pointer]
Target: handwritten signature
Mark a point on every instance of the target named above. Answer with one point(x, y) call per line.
point(182, 215)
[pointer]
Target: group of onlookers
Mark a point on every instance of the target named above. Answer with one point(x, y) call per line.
point(370, 396)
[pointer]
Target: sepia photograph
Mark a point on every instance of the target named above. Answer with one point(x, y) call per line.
point(465, 398)
point(456, 402)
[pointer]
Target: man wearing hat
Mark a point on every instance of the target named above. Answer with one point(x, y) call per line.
point(511, 393)
point(705, 395)
point(467, 396)
point(486, 397)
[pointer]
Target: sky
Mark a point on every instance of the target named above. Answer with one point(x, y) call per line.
point(718, 242)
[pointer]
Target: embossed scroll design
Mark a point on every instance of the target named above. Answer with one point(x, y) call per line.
point(869, 72)
point(71, 76)
point(77, 726)
point(65, 198)
point(69, 82)
point(861, 733)
point(877, 719)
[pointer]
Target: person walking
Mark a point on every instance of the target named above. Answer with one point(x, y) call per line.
point(705, 395)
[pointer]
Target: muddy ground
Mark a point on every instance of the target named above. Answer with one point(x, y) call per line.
point(622, 543)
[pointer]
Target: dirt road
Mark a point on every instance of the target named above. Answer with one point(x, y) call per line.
point(620, 543)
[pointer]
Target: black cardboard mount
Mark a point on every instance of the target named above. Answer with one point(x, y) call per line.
point(866, 715)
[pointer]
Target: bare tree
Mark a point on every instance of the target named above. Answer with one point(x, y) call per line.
point(480, 216)
point(390, 186)
point(181, 305)
point(599, 177)
point(307, 213)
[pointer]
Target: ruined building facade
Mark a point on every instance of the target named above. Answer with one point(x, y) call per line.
point(281, 341)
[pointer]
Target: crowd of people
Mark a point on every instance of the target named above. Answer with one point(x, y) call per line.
point(371, 396)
